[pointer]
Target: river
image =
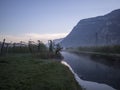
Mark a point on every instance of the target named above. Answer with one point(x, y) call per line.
point(95, 69)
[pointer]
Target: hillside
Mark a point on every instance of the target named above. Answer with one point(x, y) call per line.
point(101, 30)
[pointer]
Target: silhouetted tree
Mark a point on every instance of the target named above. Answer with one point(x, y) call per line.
point(58, 49)
point(2, 47)
point(39, 42)
point(30, 46)
point(50, 42)
point(13, 48)
point(7, 46)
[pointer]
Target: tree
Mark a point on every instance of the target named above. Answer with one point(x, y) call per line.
point(2, 47)
point(39, 42)
point(50, 42)
point(30, 46)
point(58, 49)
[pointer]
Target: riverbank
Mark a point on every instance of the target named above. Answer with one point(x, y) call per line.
point(92, 52)
point(24, 72)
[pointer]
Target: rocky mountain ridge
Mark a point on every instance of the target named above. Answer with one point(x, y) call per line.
point(101, 30)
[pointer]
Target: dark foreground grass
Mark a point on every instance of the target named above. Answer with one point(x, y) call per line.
point(23, 72)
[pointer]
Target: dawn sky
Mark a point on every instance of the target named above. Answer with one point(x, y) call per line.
point(47, 19)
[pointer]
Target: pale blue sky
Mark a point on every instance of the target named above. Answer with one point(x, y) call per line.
point(21, 17)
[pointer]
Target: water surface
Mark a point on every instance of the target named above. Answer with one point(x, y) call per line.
point(97, 69)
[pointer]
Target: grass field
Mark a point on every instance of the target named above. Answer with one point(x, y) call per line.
point(24, 72)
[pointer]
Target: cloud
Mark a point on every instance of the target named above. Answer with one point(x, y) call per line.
point(46, 36)
point(32, 36)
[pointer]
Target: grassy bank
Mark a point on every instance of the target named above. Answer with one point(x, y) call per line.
point(24, 72)
point(103, 49)
point(100, 49)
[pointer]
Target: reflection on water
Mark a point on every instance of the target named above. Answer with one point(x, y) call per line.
point(95, 68)
point(113, 62)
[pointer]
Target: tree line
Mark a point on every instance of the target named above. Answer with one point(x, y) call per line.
point(38, 49)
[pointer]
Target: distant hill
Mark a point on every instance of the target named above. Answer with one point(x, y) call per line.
point(56, 41)
point(101, 30)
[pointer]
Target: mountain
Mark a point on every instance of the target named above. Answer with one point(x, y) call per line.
point(101, 30)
